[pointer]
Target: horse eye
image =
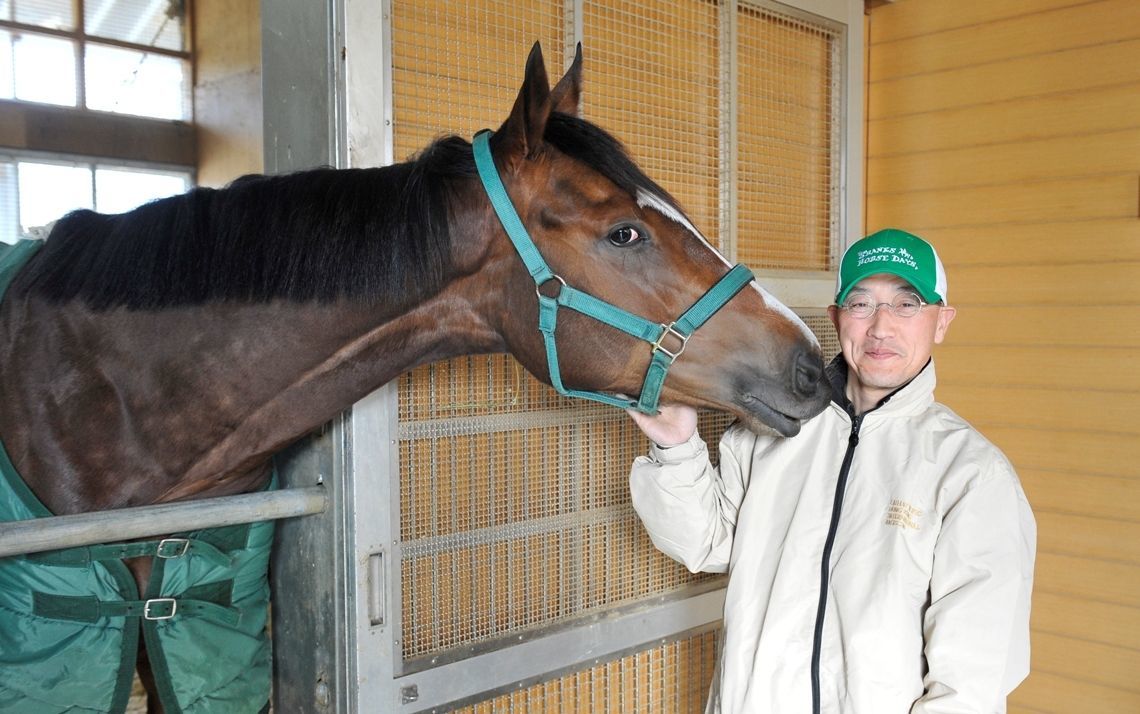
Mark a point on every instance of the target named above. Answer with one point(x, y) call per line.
point(626, 235)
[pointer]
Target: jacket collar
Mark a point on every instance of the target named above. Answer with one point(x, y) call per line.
point(911, 398)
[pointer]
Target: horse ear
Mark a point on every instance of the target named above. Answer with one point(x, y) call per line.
point(567, 94)
point(521, 134)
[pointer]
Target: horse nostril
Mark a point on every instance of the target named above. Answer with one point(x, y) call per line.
point(808, 371)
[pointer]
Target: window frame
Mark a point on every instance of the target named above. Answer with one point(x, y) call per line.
point(76, 133)
point(92, 164)
point(79, 36)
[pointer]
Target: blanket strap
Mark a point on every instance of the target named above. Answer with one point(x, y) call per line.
point(88, 608)
point(83, 556)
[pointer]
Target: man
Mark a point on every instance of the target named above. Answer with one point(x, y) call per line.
point(881, 561)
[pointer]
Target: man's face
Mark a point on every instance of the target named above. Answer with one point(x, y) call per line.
point(884, 351)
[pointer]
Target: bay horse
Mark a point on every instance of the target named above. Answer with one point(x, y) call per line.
point(168, 352)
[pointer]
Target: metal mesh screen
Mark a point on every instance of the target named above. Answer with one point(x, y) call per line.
point(653, 81)
point(456, 66)
point(514, 503)
point(515, 510)
point(673, 677)
point(787, 153)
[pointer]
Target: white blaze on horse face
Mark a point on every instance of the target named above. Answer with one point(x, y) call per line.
point(649, 200)
point(781, 309)
point(646, 199)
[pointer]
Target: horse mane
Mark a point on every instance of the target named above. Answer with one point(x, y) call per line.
point(376, 234)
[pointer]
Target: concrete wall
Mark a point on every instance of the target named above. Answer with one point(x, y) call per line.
point(227, 89)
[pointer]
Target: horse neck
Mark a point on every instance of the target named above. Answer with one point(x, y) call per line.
point(115, 408)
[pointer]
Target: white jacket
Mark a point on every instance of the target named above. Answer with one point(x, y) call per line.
point(926, 589)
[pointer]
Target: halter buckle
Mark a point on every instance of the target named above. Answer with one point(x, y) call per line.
point(670, 330)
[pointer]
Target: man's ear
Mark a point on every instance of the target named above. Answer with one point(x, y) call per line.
point(946, 315)
point(833, 313)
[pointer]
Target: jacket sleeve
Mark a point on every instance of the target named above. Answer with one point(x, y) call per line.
point(976, 628)
point(689, 507)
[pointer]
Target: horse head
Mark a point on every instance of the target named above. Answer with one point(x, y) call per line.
point(606, 229)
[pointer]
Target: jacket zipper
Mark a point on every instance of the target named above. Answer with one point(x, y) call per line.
point(836, 507)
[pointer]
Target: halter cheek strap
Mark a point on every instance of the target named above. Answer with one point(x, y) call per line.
point(662, 355)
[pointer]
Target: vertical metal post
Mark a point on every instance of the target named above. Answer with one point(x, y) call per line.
point(573, 29)
point(327, 102)
point(851, 149)
point(303, 128)
point(299, 78)
point(727, 91)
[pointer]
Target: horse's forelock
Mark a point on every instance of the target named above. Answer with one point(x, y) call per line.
point(599, 150)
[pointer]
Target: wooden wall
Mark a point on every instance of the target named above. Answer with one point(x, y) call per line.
point(1008, 133)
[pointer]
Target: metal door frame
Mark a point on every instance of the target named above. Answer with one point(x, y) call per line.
point(336, 616)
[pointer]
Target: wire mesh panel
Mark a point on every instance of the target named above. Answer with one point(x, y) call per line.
point(514, 512)
point(788, 156)
point(672, 677)
point(514, 502)
point(456, 66)
point(653, 81)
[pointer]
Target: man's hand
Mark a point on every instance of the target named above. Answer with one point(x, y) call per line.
point(673, 425)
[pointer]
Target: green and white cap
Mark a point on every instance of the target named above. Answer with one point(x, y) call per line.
point(899, 253)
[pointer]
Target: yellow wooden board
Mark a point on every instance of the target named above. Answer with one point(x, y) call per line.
point(1038, 32)
point(1086, 661)
point(1062, 693)
point(1081, 111)
point(1099, 280)
point(1066, 454)
point(1041, 366)
point(1116, 152)
point(1060, 242)
point(1011, 323)
point(1106, 623)
point(1086, 198)
point(1088, 578)
point(1002, 81)
point(1006, 131)
point(900, 20)
point(1112, 499)
point(1093, 536)
point(1053, 409)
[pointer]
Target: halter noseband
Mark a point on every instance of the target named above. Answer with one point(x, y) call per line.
point(654, 333)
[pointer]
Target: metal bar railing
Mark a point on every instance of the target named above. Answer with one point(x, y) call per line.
point(56, 532)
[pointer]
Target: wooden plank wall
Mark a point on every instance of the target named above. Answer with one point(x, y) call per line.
point(1008, 133)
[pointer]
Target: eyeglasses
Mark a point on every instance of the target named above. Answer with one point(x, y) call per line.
point(862, 307)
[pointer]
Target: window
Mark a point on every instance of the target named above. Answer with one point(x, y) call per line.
point(97, 93)
point(122, 56)
point(35, 191)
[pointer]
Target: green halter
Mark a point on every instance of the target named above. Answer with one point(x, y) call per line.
point(653, 333)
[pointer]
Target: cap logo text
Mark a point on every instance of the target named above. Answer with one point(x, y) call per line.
point(885, 254)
